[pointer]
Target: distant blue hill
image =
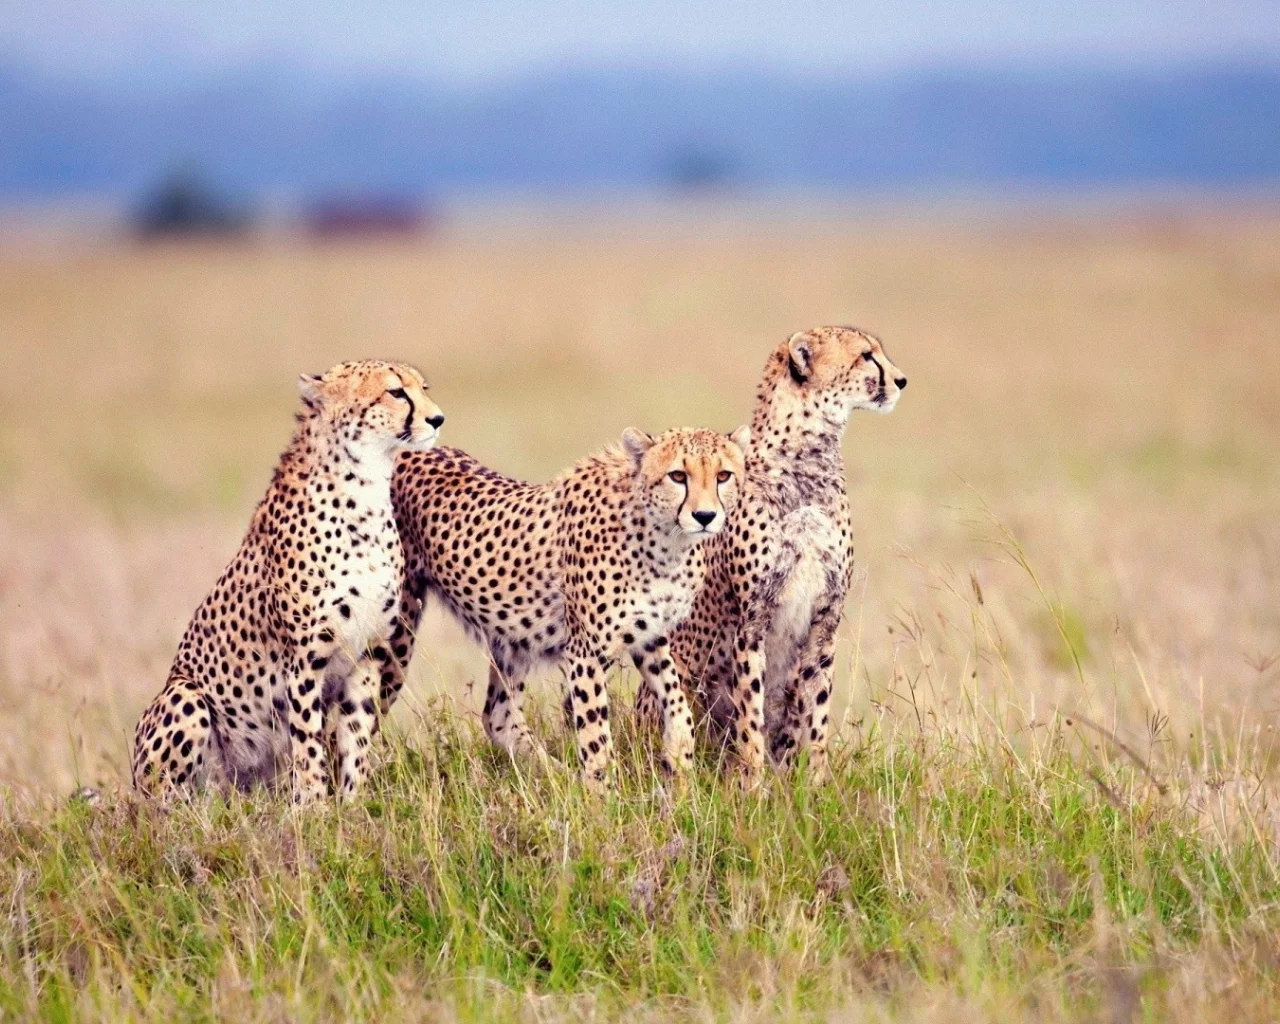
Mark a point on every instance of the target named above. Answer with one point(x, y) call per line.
point(292, 132)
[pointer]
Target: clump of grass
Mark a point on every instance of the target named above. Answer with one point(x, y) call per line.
point(462, 886)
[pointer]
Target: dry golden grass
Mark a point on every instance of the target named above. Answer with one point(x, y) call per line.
point(1067, 531)
point(1108, 391)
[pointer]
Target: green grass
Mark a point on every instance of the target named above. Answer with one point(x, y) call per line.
point(930, 874)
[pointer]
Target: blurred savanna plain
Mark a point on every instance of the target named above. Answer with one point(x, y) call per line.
point(1068, 596)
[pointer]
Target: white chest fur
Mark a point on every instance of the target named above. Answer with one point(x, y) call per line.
point(813, 541)
point(667, 602)
point(366, 577)
point(371, 583)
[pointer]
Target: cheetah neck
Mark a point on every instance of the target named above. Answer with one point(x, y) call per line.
point(663, 549)
point(796, 458)
point(348, 481)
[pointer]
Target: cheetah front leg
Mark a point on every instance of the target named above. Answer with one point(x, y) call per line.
point(589, 703)
point(748, 700)
point(393, 656)
point(806, 700)
point(308, 761)
point(648, 709)
point(356, 723)
point(658, 669)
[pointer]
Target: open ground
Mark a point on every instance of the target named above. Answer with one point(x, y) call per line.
point(1056, 779)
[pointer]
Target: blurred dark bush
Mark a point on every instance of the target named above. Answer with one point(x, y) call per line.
point(185, 204)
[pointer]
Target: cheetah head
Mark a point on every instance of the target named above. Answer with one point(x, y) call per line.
point(834, 370)
point(688, 480)
point(379, 407)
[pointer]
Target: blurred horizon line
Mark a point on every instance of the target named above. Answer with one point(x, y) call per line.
point(1167, 211)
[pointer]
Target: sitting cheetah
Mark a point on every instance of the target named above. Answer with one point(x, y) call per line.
point(286, 639)
point(600, 562)
point(760, 642)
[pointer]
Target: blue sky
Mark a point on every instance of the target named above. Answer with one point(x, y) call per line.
point(485, 40)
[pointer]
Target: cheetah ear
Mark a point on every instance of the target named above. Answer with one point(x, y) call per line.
point(800, 356)
point(309, 386)
point(742, 438)
point(635, 443)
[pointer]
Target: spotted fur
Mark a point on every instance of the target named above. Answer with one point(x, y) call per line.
point(279, 664)
point(760, 642)
point(599, 564)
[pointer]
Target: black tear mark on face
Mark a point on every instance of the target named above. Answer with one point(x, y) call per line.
point(407, 433)
point(684, 482)
point(880, 395)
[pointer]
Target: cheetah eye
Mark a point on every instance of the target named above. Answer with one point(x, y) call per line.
point(724, 476)
point(678, 476)
point(398, 393)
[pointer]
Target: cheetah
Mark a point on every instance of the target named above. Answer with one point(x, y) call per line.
point(759, 644)
point(278, 664)
point(600, 563)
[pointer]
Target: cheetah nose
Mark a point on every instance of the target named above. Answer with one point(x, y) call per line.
point(437, 420)
point(901, 382)
point(705, 516)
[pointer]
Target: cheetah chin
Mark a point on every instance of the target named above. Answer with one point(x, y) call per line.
point(885, 404)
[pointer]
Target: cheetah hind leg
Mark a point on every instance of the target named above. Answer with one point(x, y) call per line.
point(648, 710)
point(806, 703)
point(329, 737)
point(504, 721)
point(172, 752)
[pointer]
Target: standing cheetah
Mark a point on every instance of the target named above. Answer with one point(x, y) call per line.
point(760, 642)
point(600, 562)
point(285, 642)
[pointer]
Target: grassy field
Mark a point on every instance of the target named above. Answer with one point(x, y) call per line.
point(1056, 790)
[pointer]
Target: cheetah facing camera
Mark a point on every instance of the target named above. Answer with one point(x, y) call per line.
point(600, 562)
point(279, 666)
point(760, 642)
